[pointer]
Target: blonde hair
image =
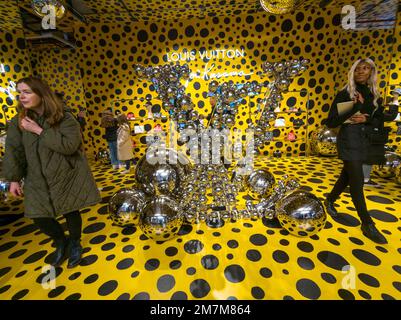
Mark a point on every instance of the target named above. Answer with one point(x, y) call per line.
point(372, 81)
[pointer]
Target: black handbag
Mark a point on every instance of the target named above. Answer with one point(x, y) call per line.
point(378, 136)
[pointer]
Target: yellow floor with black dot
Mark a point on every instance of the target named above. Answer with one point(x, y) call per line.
point(243, 260)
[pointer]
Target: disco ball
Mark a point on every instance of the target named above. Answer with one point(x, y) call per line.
point(161, 171)
point(125, 206)
point(37, 6)
point(160, 219)
point(164, 179)
point(387, 170)
point(323, 141)
point(278, 6)
point(260, 183)
point(103, 156)
point(4, 188)
point(301, 213)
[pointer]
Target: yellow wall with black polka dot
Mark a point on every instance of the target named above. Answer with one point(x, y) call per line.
point(14, 64)
point(61, 70)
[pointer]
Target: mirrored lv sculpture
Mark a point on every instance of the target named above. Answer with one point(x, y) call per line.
point(166, 80)
point(160, 219)
point(161, 170)
point(282, 73)
point(323, 142)
point(301, 213)
point(205, 187)
point(228, 96)
point(260, 183)
point(125, 207)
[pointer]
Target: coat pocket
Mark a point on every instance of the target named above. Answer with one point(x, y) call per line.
point(377, 136)
point(72, 160)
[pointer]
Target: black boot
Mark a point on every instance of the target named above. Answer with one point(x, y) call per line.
point(370, 231)
point(75, 253)
point(60, 254)
point(330, 208)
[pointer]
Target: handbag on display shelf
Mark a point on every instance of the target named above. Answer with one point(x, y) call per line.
point(291, 136)
point(279, 122)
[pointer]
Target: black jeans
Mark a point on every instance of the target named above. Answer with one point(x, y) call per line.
point(352, 175)
point(53, 229)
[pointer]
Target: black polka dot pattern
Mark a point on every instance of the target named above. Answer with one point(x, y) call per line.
point(201, 261)
point(241, 260)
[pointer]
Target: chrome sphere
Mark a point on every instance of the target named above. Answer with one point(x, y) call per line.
point(260, 183)
point(301, 213)
point(160, 220)
point(278, 6)
point(323, 141)
point(164, 179)
point(387, 170)
point(4, 188)
point(161, 171)
point(125, 206)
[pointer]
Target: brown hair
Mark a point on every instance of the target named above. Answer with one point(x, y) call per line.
point(108, 120)
point(53, 106)
point(122, 119)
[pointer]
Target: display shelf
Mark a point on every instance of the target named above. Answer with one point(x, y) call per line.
point(278, 127)
point(284, 139)
point(290, 111)
point(144, 119)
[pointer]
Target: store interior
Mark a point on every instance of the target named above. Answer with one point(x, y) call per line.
point(94, 59)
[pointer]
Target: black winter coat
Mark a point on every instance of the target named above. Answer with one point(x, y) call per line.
point(354, 141)
point(111, 133)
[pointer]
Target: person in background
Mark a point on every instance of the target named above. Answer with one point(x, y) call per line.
point(81, 118)
point(376, 150)
point(111, 126)
point(124, 142)
point(81, 113)
point(44, 147)
point(353, 139)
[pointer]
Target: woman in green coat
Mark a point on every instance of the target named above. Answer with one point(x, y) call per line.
point(44, 147)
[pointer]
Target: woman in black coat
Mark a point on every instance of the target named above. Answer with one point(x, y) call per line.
point(354, 139)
